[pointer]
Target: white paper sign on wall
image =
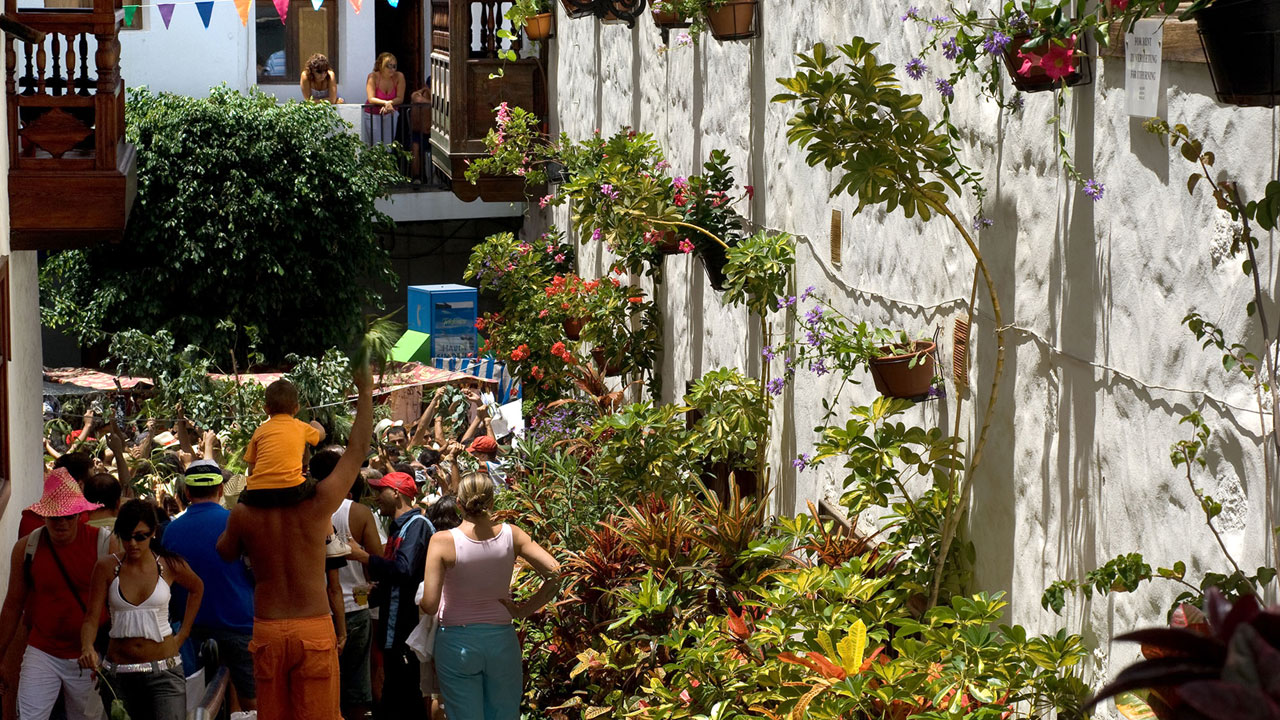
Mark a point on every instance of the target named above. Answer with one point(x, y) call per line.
point(1143, 48)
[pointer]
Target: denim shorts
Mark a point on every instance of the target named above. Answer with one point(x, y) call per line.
point(353, 663)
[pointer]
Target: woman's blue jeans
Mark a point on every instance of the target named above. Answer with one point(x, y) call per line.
point(480, 671)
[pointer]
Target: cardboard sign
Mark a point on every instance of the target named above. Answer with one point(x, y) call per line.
point(1142, 53)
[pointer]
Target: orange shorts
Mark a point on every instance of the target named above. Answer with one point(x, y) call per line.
point(295, 666)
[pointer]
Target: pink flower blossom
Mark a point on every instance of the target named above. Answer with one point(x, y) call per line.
point(686, 246)
point(543, 202)
point(1059, 62)
point(680, 182)
point(559, 257)
point(597, 234)
point(504, 115)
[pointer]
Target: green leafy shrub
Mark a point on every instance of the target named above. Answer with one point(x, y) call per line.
point(248, 211)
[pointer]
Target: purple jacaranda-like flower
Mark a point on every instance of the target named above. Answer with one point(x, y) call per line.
point(786, 302)
point(813, 316)
point(981, 222)
point(995, 43)
point(945, 89)
point(940, 20)
point(819, 367)
point(769, 353)
point(950, 49)
point(808, 293)
point(802, 461)
point(1094, 189)
point(815, 337)
point(913, 13)
point(916, 68)
point(775, 386)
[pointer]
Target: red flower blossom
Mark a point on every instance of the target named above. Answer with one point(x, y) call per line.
point(1059, 62)
point(480, 323)
point(520, 353)
point(636, 299)
point(751, 191)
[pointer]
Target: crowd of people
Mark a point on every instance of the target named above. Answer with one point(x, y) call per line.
point(120, 588)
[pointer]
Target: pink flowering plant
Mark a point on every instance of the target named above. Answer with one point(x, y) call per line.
point(517, 146)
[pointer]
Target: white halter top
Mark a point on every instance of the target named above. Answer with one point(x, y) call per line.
point(149, 620)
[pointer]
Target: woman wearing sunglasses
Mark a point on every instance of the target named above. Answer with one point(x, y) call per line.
point(142, 665)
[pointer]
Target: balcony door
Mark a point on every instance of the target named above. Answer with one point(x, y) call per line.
point(399, 31)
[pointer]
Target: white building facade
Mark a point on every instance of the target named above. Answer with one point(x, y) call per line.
point(1099, 368)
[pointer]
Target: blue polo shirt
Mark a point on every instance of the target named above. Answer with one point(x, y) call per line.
point(228, 587)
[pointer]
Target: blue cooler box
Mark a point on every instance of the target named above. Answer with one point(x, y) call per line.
point(448, 314)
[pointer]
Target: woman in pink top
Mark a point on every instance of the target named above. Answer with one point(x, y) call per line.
point(468, 581)
point(384, 92)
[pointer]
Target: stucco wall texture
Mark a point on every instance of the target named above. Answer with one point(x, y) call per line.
point(1099, 369)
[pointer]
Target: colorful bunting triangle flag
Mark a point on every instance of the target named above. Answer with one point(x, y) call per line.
point(315, 4)
point(242, 7)
point(282, 9)
point(206, 11)
point(393, 3)
point(355, 4)
point(166, 13)
point(129, 12)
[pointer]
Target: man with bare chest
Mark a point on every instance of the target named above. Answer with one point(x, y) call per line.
point(295, 655)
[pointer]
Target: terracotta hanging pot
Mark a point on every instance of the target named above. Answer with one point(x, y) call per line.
point(539, 27)
point(611, 368)
point(573, 328)
point(898, 376)
point(670, 20)
point(670, 243)
point(1036, 79)
point(734, 20)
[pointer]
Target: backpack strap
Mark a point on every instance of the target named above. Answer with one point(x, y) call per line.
point(29, 555)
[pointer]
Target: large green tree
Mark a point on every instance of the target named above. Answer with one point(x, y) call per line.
point(248, 211)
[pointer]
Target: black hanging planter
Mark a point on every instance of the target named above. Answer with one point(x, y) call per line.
point(1037, 80)
point(1241, 41)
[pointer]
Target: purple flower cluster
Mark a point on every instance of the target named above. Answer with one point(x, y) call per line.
point(819, 367)
point(1017, 102)
point(786, 302)
point(981, 222)
point(950, 50)
point(769, 353)
point(813, 316)
point(944, 88)
point(775, 386)
point(916, 68)
point(995, 43)
point(597, 234)
point(940, 20)
point(913, 13)
point(608, 191)
point(1094, 189)
point(815, 337)
point(802, 461)
point(808, 293)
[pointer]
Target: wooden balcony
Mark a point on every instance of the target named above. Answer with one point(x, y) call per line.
point(72, 176)
point(464, 54)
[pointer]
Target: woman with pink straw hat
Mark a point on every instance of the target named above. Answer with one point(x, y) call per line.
point(49, 582)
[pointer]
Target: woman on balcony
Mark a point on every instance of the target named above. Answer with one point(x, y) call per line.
point(384, 92)
point(318, 81)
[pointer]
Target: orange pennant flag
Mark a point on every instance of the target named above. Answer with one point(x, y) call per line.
point(355, 4)
point(242, 7)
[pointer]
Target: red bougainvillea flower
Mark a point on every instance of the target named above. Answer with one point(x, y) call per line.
point(542, 313)
point(751, 191)
point(536, 372)
point(520, 353)
point(1059, 62)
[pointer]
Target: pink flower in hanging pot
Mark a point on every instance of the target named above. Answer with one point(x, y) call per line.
point(686, 246)
point(1029, 62)
point(1059, 62)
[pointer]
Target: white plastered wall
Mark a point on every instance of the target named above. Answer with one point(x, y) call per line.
point(1098, 368)
point(24, 407)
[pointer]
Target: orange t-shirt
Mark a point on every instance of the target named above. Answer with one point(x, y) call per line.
point(275, 452)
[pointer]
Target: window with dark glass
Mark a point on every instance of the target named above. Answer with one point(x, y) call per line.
point(283, 49)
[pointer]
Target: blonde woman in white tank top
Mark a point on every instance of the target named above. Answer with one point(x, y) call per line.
point(477, 654)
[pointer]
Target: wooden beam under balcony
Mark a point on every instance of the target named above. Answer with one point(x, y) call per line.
point(72, 176)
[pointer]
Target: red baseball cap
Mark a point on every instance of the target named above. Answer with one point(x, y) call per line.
point(398, 481)
point(484, 444)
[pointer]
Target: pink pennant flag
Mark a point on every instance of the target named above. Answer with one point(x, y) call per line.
point(282, 8)
point(206, 11)
point(355, 4)
point(242, 7)
point(166, 13)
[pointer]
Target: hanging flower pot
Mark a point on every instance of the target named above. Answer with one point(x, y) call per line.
point(538, 27)
point(573, 328)
point(670, 244)
point(669, 19)
point(908, 375)
point(1241, 41)
point(1048, 67)
point(732, 19)
point(574, 12)
point(610, 367)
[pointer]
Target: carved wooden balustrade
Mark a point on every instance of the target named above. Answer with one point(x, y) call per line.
point(464, 54)
point(72, 176)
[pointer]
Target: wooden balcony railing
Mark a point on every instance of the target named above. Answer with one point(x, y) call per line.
point(72, 176)
point(464, 56)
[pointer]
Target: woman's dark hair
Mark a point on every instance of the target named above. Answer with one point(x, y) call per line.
point(317, 66)
point(429, 457)
point(443, 513)
point(78, 463)
point(145, 512)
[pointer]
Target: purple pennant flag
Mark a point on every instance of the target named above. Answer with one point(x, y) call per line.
point(206, 11)
point(166, 13)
